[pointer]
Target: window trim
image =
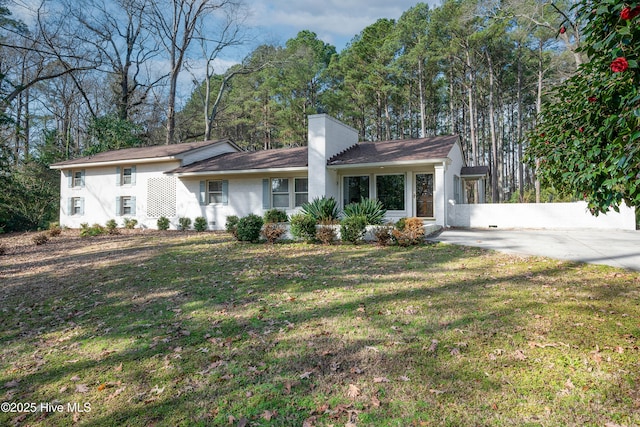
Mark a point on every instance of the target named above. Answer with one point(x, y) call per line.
point(73, 206)
point(377, 196)
point(209, 193)
point(76, 182)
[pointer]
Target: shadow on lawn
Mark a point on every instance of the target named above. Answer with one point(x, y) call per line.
point(234, 329)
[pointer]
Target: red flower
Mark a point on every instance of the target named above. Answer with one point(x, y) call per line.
point(563, 30)
point(619, 65)
point(592, 99)
point(581, 129)
point(628, 13)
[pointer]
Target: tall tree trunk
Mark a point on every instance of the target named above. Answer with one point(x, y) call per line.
point(519, 126)
point(538, 111)
point(472, 112)
point(496, 169)
point(423, 127)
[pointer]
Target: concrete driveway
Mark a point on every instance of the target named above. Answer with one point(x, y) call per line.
point(617, 248)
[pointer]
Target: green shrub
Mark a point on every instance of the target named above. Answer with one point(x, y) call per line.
point(232, 225)
point(249, 228)
point(399, 225)
point(163, 223)
point(184, 223)
point(112, 226)
point(272, 231)
point(303, 226)
point(412, 232)
point(94, 230)
point(326, 234)
point(200, 224)
point(130, 223)
point(383, 235)
point(352, 228)
point(40, 239)
point(275, 215)
point(322, 209)
point(371, 209)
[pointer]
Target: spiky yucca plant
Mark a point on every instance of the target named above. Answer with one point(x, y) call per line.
point(369, 208)
point(322, 209)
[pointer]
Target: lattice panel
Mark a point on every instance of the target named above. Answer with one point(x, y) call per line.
point(161, 197)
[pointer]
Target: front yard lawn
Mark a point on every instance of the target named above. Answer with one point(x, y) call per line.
point(152, 328)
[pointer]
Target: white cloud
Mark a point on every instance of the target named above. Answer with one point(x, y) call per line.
point(334, 21)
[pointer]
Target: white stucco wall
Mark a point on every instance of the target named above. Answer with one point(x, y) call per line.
point(542, 215)
point(100, 193)
point(327, 137)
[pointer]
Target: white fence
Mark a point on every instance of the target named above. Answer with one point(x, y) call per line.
point(543, 215)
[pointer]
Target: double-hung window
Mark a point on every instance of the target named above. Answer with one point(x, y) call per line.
point(301, 189)
point(76, 178)
point(76, 206)
point(214, 191)
point(280, 192)
point(126, 175)
point(125, 205)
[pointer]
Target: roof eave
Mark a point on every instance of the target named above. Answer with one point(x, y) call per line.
point(391, 164)
point(240, 171)
point(115, 162)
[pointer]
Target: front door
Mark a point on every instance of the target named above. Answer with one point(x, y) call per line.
point(424, 195)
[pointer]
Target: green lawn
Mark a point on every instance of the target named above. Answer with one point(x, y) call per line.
point(197, 329)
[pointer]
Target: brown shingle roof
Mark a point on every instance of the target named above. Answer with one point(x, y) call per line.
point(252, 160)
point(474, 171)
point(156, 151)
point(402, 150)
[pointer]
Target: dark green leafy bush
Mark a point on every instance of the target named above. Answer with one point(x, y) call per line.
point(322, 209)
point(371, 209)
point(163, 223)
point(200, 224)
point(249, 228)
point(275, 215)
point(184, 223)
point(303, 226)
point(352, 228)
point(232, 225)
